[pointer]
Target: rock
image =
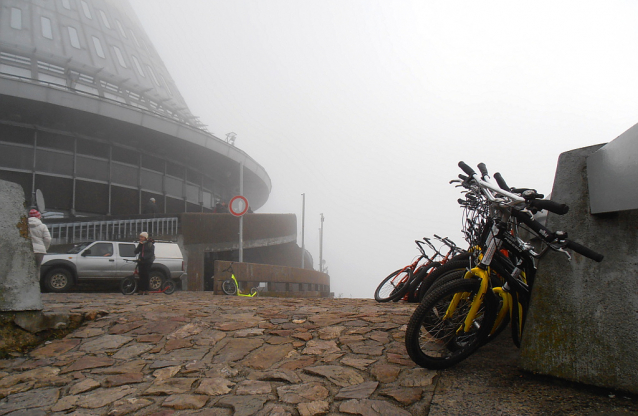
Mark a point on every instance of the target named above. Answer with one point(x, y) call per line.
point(124, 328)
point(128, 406)
point(55, 348)
point(318, 407)
point(371, 407)
point(170, 386)
point(331, 332)
point(215, 386)
point(418, 377)
point(105, 342)
point(236, 349)
point(280, 375)
point(30, 400)
point(360, 391)
point(385, 373)
point(31, 375)
point(175, 344)
point(65, 403)
point(298, 393)
point(340, 376)
point(404, 395)
point(132, 350)
point(266, 356)
point(102, 397)
point(243, 406)
point(123, 379)
point(185, 401)
point(83, 386)
point(358, 363)
point(167, 372)
point(186, 331)
point(252, 387)
point(319, 347)
point(88, 362)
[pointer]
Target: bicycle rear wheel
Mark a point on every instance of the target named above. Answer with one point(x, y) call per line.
point(229, 287)
point(436, 342)
point(254, 292)
point(394, 286)
point(128, 285)
point(168, 287)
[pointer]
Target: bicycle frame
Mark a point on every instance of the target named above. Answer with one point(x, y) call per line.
point(239, 292)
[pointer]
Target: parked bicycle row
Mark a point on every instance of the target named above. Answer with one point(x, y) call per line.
point(467, 297)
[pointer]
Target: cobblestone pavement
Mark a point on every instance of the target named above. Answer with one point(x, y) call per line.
point(195, 353)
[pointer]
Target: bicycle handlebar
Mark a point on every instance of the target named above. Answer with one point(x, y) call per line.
point(483, 169)
point(550, 237)
point(585, 251)
point(501, 182)
point(551, 206)
point(470, 172)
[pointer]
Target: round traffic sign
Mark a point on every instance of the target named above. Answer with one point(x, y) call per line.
point(238, 206)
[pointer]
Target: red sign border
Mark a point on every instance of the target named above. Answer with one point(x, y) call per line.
point(230, 206)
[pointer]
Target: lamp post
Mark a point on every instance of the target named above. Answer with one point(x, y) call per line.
point(303, 221)
point(321, 245)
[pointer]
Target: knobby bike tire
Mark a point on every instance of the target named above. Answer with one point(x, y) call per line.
point(128, 285)
point(229, 287)
point(393, 287)
point(436, 343)
point(417, 279)
point(451, 266)
point(168, 287)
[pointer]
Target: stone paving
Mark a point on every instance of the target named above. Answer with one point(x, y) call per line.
point(195, 353)
point(199, 354)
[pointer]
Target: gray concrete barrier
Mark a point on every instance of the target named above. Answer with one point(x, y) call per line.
point(19, 283)
point(582, 319)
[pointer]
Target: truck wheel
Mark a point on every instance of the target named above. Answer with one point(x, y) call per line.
point(155, 280)
point(58, 280)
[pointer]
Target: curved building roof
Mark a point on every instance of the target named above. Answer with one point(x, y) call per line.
point(85, 68)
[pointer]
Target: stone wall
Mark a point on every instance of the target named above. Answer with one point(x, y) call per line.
point(583, 314)
point(19, 282)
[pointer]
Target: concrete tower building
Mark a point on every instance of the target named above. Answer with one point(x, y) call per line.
point(91, 117)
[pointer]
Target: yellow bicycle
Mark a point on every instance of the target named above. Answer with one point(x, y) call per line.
point(231, 286)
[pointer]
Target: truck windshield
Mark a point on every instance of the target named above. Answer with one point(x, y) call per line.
point(78, 247)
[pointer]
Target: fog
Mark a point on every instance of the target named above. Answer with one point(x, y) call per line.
point(367, 106)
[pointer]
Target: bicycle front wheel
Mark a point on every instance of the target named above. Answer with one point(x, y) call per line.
point(435, 337)
point(394, 286)
point(229, 287)
point(128, 285)
point(168, 287)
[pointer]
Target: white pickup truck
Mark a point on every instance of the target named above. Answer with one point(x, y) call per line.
point(106, 260)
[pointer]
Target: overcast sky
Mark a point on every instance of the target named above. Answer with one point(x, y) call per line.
point(367, 106)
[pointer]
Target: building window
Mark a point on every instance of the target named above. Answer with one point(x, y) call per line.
point(120, 57)
point(98, 47)
point(135, 39)
point(120, 28)
point(86, 10)
point(16, 18)
point(137, 65)
point(66, 4)
point(104, 19)
point(150, 70)
point(47, 32)
point(75, 39)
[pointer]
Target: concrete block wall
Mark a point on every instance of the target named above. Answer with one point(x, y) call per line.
point(19, 282)
point(280, 280)
point(582, 319)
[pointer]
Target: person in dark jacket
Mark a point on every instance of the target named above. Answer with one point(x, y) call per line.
point(151, 207)
point(146, 251)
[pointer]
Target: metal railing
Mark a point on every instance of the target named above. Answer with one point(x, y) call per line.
point(113, 230)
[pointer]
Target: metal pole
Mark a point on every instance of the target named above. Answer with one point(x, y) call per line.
point(321, 245)
point(303, 222)
point(241, 219)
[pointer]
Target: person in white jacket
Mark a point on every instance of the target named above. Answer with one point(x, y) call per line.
point(40, 236)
